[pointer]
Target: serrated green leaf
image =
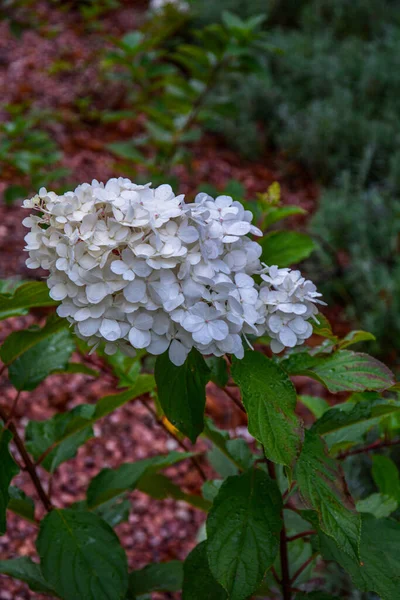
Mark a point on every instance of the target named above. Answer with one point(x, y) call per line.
point(34, 365)
point(243, 532)
point(42, 435)
point(378, 569)
point(156, 577)
point(110, 483)
point(321, 488)
point(26, 570)
point(159, 486)
point(8, 470)
point(27, 295)
point(347, 414)
point(269, 398)
point(351, 371)
point(198, 582)
point(378, 505)
point(386, 476)
point(181, 392)
point(19, 342)
point(21, 504)
point(81, 556)
point(285, 248)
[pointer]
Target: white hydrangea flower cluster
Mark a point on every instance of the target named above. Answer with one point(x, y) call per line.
point(137, 268)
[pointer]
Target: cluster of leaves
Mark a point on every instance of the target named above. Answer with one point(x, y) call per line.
point(27, 153)
point(277, 508)
point(174, 84)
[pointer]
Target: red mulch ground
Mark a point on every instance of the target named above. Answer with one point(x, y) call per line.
point(157, 530)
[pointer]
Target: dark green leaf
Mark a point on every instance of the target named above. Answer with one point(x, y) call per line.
point(351, 371)
point(316, 596)
point(355, 337)
point(81, 556)
point(8, 470)
point(378, 569)
point(321, 487)
point(50, 354)
point(28, 295)
point(211, 488)
point(218, 370)
point(20, 342)
point(26, 570)
point(270, 401)
point(157, 577)
point(284, 248)
point(13, 193)
point(73, 367)
point(347, 414)
point(127, 150)
point(43, 435)
point(21, 504)
point(198, 582)
point(386, 476)
point(159, 486)
point(112, 482)
point(181, 392)
point(243, 532)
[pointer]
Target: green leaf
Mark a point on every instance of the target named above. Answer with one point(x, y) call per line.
point(81, 556)
point(20, 342)
point(198, 582)
point(355, 337)
point(113, 482)
point(26, 570)
point(378, 569)
point(181, 392)
point(284, 248)
point(65, 431)
point(321, 488)
point(127, 150)
point(323, 328)
point(243, 532)
point(157, 577)
point(42, 435)
point(21, 504)
point(73, 367)
point(8, 470)
point(317, 406)
point(346, 414)
point(221, 453)
point(160, 487)
point(316, 596)
point(278, 213)
point(270, 401)
point(218, 370)
point(50, 354)
point(378, 505)
point(351, 371)
point(28, 295)
point(211, 488)
point(386, 476)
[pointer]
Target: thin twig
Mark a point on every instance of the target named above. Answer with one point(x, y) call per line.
point(298, 536)
point(30, 467)
point(194, 460)
point(13, 408)
point(302, 567)
point(374, 446)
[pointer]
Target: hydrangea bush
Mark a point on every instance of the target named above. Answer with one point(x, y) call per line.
point(136, 270)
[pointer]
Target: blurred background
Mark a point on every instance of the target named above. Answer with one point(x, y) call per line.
point(288, 104)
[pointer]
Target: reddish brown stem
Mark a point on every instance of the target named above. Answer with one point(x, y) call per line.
point(194, 460)
point(235, 400)
point(298, 536)
point(301, 568)
point(374, 446)
point(283, 549)
point(30, 467)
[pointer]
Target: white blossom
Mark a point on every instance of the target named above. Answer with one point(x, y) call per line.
point(136, 267)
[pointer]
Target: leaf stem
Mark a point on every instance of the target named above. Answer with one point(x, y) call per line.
point(374, 446)
point(194, 460)
point(283, 549)
point(302, 567)
point(30, 467)
point(298, 536)
point(234, 399)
